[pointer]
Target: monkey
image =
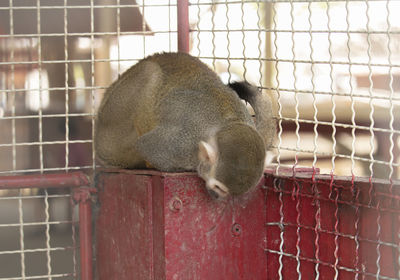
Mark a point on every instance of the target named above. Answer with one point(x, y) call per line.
point(171, 112)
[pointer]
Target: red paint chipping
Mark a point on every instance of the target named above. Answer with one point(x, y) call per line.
point(155, 225)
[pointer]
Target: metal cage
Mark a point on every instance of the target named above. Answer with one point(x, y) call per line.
point(332, 68)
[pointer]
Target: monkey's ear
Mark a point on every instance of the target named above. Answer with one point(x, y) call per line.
point(207, 152)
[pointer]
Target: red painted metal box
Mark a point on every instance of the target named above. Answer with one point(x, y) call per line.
point(295, 225)
point(153, 225)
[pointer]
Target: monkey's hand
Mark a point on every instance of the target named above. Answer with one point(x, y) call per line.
point(149, 166)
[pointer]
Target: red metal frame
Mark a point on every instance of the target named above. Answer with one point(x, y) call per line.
point(81, 195)
point(332, 226)
point(62, 180)
point(154, 225)
point(183, 26)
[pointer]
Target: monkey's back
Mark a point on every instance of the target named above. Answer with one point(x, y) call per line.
point(133, 105)
point(182, 72)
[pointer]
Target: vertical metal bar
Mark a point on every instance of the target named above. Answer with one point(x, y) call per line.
point(66, 85)
point(92, 91)
point(336, 252)
point(118, 35)
point(144, 28)
point(198, 28)
point(315, 126)
point(228, 46)
point(260, 53)
point(183, 26)
point(243, 41)
point(40, 86)
point(48, 247)
point(391, 122)
point(169, 26)
point(13, 132)
point(313, 91)
point(21, 234)
point(214, 46)
point(280, 130)
point(372, 138)
point(336, 226)
point(282, 230)
point(46, 199)
point(317, 230)
point(295, 88)
point(85, 235)
point(353, 148)
point(298, 222)
point(353, 112)
point(74, 244)
point(14, 140)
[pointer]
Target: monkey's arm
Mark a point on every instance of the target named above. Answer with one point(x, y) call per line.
point(167, 149)
point(173, 144)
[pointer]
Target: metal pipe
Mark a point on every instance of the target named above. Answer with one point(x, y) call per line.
point(73, 179)
point(82, 195)
point(183, 26)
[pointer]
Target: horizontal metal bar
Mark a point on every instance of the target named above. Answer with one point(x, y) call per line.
point(35, 224)
point(35, 196)
point(339, 156)
point(86, 34)
point(62, 7)
point(274, 2)
point(41, 276)
point(320, 230)
point(52, 169)
point(71, 115)
point(54, 88)
point(314, 62)
point(343, 125)
point(328, 264)
point(333, 62)
point(320, 178)
point(34, 62)
point(73, 179)
point(36, 250)
point(46, 143)
point(308, 31)
point(334, 93)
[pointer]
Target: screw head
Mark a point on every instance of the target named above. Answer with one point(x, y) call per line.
point(236, 229)
point(176, 204)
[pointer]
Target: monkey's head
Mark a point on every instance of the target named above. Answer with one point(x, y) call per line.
point(232, 161)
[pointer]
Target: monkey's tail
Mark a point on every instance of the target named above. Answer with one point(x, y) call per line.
point(262, 106)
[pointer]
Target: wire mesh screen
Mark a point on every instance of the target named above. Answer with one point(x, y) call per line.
point(56, 59)
point(38, 235)
point(332, 67)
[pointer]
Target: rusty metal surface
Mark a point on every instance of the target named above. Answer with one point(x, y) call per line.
point(154, 225)
point(167, 227)
point(332, 228)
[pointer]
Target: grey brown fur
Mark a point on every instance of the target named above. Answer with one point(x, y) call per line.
point(159, 111)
